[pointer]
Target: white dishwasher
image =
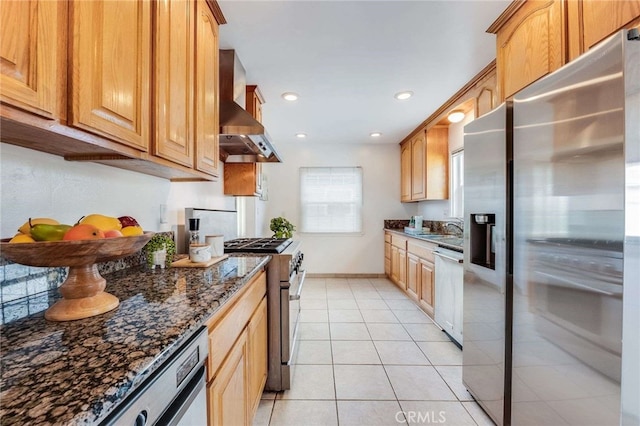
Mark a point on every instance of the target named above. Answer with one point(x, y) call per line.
point(449, 280)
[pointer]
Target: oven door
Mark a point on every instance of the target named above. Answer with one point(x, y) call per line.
point(290, 305)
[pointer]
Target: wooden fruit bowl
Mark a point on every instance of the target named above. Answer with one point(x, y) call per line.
point(83, 294)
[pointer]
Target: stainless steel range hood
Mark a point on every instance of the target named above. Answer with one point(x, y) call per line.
point(243, 139)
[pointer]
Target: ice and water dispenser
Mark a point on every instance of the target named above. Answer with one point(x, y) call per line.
point(481, 240)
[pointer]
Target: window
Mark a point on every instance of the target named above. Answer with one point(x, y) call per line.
point(331, 199)
point(457, 184)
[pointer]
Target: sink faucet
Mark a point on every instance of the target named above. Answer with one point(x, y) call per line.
point(458, 226)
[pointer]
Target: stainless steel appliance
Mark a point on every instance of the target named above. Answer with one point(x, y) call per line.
point(551, 313)
point(448, 306)
point(285, 280)
point(175, 394)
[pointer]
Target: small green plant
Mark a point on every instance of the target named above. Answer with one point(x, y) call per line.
point(159, 242)
point(282, 228)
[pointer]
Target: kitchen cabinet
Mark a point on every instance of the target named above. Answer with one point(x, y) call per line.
point(591, 21)
point(421, 274)
point(424, 165)
point(237, 363)
point(529, 43)
point(405, 171)
point(207, 91)
point(33, 56)
point(534, 38)
point(418, 166)
point(399, 261)
point(228, 404)
point(174, 80)
point(110, 59)
point(437, 163)
point(387, 254)
point(243, 179)
point(254, 101)
point(108, 82)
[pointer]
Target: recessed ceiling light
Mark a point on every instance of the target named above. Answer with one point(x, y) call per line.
point(375, 134)
point(301, 135)
point(456, 116)
point(403, 95)
point(290, 96)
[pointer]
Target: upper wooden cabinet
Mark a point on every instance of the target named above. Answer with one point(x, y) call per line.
point(424, 166)
point(591, 21)
point(405, 171)
point(32, 56)
point(110, 58)
point(207, 91)
point(174, 80)
point(530, 43)
point(141, 79)
point(418, 166)
point(254, 101)
point(536, 37)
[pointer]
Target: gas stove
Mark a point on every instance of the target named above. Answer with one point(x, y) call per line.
point(257, 245)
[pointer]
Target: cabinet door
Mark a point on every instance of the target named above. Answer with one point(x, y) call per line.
point(33, 33)
point(207, 91)
point(402, 269)
point(413, 276)
point(228, 390)
point(242, 178)
point(174, 63)
point(427, 286)
point(405, 172)
point(257, 355)
point(530, 45)
point(111, 53)
point(437, 166)
point(418, 159)
point(600, 19)
point(395, 264)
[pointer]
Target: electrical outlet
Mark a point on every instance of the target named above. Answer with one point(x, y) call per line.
point(163, 214)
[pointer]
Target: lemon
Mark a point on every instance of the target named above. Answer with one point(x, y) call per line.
point(22, 238)
point(131, 231)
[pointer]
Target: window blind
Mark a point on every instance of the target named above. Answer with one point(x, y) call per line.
point(331, 199)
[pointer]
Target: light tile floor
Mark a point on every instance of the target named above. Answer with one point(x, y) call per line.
point(367, 355)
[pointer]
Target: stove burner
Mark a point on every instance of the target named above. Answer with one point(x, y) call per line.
point(257, 245)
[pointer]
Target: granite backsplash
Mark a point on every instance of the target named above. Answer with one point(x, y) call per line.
point(19, 281)
point(435, 226)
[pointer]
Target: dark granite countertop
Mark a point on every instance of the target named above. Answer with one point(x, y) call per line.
point(447, 241)
point(76, 372)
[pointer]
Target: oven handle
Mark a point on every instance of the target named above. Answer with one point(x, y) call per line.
point(301, 276)
point(578, 285)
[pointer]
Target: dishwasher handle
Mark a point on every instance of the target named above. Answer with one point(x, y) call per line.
point(444, 256)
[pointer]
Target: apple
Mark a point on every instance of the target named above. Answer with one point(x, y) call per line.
point(113, 233)
point(128, 221)
point(83, 231)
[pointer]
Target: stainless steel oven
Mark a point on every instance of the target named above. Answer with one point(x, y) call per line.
point(285, 282)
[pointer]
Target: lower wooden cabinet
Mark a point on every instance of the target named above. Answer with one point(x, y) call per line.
point(237, 365)
point(257, 335)
point(228, 392)
point(412, 269)
point(387, 254)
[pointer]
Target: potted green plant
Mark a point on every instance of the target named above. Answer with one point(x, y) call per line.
point(160, 251)
point(282, 228)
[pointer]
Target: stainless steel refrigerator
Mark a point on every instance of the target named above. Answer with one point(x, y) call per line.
point(552, 246)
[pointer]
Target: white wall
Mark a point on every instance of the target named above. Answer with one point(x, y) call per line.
point(441, 209)
point(333, 253)
point(34, 184)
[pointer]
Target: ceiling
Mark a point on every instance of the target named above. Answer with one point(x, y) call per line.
point(347, 59)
